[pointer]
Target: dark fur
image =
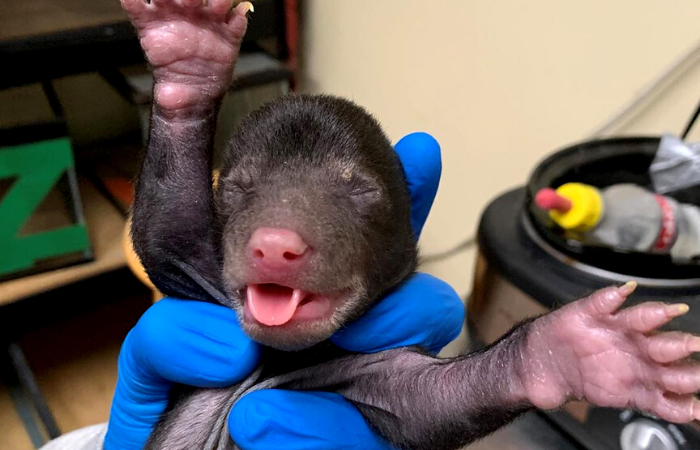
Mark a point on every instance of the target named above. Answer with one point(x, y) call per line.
point(323, 167)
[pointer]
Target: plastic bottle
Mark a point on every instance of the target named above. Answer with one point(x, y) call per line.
point(626, 217)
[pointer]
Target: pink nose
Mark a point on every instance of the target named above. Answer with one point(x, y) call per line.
point(277, 247)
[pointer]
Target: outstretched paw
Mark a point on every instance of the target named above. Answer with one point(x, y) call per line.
point(608, 356)
point(191, 45)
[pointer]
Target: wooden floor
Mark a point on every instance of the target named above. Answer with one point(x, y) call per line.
point(75, 359)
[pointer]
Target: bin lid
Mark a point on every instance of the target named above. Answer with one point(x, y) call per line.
point(507, 246)
point(602, 163)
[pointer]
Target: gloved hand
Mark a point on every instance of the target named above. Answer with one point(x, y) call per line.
point(201, 344)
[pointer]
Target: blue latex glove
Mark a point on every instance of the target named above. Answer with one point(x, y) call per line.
point(201, 344)
point(425, 311)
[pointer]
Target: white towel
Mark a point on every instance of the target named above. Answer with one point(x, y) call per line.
point(88, 438)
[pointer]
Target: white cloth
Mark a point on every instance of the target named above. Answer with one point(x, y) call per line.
point(88, 438)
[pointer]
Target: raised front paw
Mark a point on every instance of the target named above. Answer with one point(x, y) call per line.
point(191, 45)
point(595, 351)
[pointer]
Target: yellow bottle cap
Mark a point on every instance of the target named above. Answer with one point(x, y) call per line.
point(586, 207)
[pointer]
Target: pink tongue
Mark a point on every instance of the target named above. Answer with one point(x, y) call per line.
point(272, 304)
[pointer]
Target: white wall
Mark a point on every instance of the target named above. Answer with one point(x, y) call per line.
point(499, 83)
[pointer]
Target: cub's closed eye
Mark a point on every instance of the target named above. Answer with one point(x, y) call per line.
point(236, 192)
point(365, 191)
point(245, 187)
point(365, 197)
point(243, 183)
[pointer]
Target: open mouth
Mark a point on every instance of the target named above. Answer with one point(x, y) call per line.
point(276, 305)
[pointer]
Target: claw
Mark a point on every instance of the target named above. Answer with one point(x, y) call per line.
point(607, 301)
point(245, 7)
point(672, 346)
point(649, 316)
point(677, 310)
point(627, 288)
point(239, 20)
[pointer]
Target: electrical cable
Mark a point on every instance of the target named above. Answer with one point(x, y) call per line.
point(691, 122)
point(674, 71)
point(457, 249)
